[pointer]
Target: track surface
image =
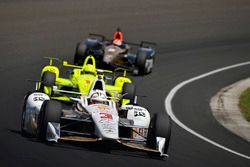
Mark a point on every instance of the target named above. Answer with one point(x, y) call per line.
point(193, 37)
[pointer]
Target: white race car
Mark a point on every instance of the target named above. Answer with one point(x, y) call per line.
point(95, 117)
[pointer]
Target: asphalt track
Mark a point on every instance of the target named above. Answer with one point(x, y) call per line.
point(194, 37)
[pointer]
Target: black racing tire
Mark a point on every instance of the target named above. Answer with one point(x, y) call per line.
point(160, 126)
point(141, 62)
point(48, 79)
point(163, 125)
point(50, 112)
point(130, 90)
point(151, 137)
point(80, 53)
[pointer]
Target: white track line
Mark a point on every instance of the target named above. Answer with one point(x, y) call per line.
point(168, 106)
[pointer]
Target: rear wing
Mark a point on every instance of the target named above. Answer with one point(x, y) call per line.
point(66, 64)
point(99, 71)
point(101, 37)
point(53, 59)
point(144, 44)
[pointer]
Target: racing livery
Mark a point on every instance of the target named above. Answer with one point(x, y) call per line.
point(94, 117)
point(117, 53)
point(80, 80)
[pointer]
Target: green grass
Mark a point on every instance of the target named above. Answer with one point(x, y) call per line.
point(244, 104)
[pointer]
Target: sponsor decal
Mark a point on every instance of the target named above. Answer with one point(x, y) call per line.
point(87, 81)
point(38, 98)
point(139, 114)
point(107, 128)
point(128, 108)
point(106, 116)
point(37, 94)
point(138, 109)
point(102, 107)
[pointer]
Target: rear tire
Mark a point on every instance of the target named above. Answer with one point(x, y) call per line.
point(80, 54)
point(141, 63)
point(50, 112)
point(130, 90)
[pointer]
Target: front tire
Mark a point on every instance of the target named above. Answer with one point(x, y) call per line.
point(48, 79)
point(160, 126)
point(50, 112)
point(23, 114)
point(130, 90)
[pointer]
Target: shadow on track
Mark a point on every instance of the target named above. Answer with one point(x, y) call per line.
point(106, 147)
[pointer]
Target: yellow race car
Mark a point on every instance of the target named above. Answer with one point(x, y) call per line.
point(80, 79)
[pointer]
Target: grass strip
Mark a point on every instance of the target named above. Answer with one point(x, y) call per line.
point(244, 104)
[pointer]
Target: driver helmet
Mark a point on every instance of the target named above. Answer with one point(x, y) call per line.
point(89, 69)
point(117, 42)
point(118, 37)
point(98, 97)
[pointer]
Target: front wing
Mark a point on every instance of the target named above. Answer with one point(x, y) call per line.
point(53, 134)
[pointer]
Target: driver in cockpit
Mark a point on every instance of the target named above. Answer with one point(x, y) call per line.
point(97, 97)
point(118, 37)
point(118, 40)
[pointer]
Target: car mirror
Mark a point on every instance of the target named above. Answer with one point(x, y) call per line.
point(65, 63)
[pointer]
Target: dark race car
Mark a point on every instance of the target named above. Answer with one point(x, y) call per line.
point(117, 53)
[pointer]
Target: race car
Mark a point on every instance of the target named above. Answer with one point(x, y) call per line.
point(80, 80)
point(117, 53)
point(95, 117)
